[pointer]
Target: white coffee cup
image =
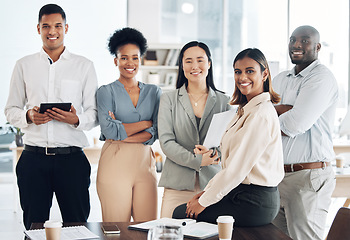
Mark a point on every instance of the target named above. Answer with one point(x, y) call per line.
point(53, 230)
point(225, 226)
point(339, 161)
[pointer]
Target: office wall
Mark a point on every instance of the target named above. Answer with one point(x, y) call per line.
point(145, 16)
point(91, 23)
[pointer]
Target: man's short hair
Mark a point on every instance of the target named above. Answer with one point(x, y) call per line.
point(51, 9)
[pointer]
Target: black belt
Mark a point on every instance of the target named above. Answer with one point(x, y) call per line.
point(52, 151)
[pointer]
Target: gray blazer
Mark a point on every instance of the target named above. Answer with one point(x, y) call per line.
point(178, 135)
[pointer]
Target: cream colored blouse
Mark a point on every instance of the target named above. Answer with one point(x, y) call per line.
point(251, 151)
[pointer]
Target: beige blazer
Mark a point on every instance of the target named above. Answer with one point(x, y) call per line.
point(178, 135)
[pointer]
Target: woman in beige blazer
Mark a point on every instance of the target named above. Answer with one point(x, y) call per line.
point(183, 121)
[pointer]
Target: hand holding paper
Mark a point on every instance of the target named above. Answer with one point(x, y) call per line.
point(217, 128)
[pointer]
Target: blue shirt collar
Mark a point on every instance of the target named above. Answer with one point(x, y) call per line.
point(141, 84)
point(305, 71)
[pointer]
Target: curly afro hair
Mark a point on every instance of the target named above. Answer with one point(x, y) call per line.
point(125, 36)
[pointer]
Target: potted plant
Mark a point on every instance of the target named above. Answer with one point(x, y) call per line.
point(18, 135)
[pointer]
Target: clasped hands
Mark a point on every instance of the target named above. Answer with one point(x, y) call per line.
point(33, 116)
point(206, 153)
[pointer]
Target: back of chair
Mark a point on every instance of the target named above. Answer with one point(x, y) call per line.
point(340, 229)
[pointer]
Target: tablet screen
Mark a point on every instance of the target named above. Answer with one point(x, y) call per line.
point(62, 106)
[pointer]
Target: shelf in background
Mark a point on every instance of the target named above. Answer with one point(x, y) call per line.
point(158, 67)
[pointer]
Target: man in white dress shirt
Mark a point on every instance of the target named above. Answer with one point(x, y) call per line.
point(309, 95)
point(53, 160)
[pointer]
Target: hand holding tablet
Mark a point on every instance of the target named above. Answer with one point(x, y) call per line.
point(62, 106)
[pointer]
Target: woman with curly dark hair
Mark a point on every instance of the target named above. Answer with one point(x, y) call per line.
point(127, 113)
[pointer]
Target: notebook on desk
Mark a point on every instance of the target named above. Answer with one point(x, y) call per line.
point(190, 228)
point(67, 233)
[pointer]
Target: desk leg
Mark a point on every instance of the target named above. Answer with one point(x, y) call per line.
point(347, 203)
point(16, 154)
point(15, 195)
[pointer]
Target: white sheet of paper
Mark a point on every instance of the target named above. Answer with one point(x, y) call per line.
point(217, 128)
point(67, 233)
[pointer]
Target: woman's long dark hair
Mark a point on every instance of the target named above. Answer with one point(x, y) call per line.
point(257, 56)
point(181, 79)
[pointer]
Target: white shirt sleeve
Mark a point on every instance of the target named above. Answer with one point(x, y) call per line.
point(14, 109)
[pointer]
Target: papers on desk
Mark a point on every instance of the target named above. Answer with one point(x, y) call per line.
point(200, 230)
point(145, 226)
point(217, 128)
point(190, 228)
point(67, 233)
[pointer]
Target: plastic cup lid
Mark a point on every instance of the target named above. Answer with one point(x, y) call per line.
point(52, 224)
point(225, 219)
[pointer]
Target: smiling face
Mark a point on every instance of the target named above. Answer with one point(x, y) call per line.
point(128, 61)
point(304, 47)
point(52, 29)
point(195, 64)
point(249, 78)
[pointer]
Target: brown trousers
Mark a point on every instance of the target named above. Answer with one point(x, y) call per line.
point(126, 182)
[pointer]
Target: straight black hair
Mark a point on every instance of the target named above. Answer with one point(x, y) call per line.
point(51, 9)
point(181, 79)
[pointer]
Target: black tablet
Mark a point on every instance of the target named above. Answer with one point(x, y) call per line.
point(62, 106)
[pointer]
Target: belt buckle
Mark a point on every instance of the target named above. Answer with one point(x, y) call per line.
point(324, 165)
point(291, 167)
point(48, 153)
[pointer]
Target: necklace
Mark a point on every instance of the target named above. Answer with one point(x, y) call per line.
point(129, 89)
point(196, 101)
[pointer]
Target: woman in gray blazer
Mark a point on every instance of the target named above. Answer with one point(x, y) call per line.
point(183, 121)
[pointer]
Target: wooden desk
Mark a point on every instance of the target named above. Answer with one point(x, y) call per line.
point(342, 187)
point(267, 232)
point(341, 147)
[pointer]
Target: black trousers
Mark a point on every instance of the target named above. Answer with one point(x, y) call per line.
point(66, 175)
point(250, 205)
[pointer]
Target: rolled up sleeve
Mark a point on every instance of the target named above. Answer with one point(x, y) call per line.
point(110, 128)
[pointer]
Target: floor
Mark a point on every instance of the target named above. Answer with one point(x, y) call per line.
point(11, 227)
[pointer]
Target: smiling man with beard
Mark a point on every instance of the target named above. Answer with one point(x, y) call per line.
point(309, 95)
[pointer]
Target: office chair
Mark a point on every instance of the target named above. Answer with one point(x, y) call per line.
point(340, 229)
